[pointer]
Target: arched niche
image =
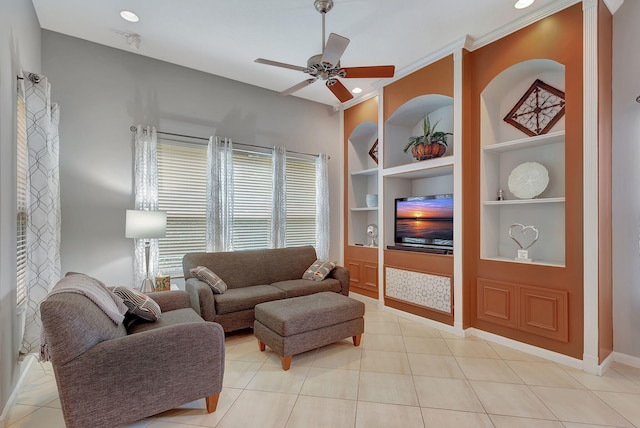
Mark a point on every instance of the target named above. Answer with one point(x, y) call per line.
point(406, 122)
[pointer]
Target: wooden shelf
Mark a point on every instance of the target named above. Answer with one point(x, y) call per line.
point(523, 143)
point(429, 168)
point(365, 172)
point(534, 262)
point(525, 201)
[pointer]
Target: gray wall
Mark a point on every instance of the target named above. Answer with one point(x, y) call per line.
point(19, 49)
point(626, 180)
point(102, 91)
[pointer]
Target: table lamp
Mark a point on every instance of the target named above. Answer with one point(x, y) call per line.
point(146, 225)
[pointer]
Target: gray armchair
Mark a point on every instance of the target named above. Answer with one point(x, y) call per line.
point(108, 376)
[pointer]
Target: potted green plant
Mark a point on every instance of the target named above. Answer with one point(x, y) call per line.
point(431, 144)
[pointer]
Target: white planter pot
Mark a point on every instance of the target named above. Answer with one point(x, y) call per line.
point(371, 200)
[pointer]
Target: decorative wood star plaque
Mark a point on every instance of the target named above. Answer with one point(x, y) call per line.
point(538, 110)
point(373, 151)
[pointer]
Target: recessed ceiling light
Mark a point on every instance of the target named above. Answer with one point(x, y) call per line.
point(521, 4)
point(127, 15)
point(356, 90)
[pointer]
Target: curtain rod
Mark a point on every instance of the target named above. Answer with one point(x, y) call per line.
point(133, 128)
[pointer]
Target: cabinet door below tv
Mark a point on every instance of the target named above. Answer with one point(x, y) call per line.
point(364, 277)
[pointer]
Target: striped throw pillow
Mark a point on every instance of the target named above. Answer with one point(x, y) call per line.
point(215, 282)
point(319, 270)
point(139, 304)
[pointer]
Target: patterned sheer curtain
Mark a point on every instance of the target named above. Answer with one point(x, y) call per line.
point(146, 193)
point(43, 202)
point(322, 206)
point(220, 194)
point(279, 198)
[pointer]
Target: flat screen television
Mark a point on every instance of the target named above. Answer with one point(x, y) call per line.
point(424, 222)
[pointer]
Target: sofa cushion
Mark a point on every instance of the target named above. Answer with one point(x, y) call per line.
point(319, 270)
point(179, 316)
point(238, 299)
point(214, 281)
point(139, 304)
point(303, 287)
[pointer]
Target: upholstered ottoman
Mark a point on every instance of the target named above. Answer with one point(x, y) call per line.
point(300, 324)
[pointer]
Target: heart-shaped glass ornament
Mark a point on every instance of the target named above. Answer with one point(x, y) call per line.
point(524, 234)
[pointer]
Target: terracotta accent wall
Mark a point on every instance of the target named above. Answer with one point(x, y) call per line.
point(605, 245)
point(366, 111)
point(559, 38)
point(435, 78)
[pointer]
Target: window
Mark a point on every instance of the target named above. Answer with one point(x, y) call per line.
point(182, 186)
point(301, 202)
point(251, 200)
point(21, 179)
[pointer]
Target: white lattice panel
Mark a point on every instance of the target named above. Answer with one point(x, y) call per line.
point(431, 291)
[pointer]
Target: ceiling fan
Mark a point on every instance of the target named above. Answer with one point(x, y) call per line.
point(326, 66)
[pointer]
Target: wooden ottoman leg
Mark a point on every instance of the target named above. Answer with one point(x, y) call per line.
point(261, 345)
point(212, 402)
point(356, 339)
point(286, 362)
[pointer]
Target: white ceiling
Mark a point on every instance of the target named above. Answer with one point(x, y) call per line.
point(224, 37)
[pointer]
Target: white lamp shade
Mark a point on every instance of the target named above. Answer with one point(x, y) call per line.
point(146, 224)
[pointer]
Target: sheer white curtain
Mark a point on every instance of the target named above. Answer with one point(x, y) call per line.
point(219, 194)
point(279, 198)
point(322, 206)
point(43, 202)
point(146, 197)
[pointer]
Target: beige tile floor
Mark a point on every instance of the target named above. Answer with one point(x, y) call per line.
point(404, 374)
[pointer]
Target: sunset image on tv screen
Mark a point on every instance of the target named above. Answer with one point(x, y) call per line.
point(425, 209)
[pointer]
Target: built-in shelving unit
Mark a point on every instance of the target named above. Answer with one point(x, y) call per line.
point(361, 178)
point(503, 148)
point(560, 300)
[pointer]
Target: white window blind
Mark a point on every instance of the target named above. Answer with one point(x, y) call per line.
point(182, 186)
point(21, 178)
point(252, 200)
point(301, 202)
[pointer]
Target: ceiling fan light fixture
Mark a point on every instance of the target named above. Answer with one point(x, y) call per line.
point(323, 6)
point(127, 15)
point(521, 4)
point(326, 65)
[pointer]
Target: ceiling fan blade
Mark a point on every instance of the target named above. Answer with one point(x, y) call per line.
point(336, 45)
point(364, 72)
point(339, 90)
point(279, 64)
point(297, 87)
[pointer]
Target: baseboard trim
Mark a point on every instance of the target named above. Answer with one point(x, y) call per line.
point(628, 360)
point(529, 349)
point(28, 362)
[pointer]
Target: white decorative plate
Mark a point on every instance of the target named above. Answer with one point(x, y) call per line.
point(528, 180)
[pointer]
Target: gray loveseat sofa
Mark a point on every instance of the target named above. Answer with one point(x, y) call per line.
point(253, 277)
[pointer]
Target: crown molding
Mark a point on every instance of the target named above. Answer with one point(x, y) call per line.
point(469, 43)
point(613, 5)
point(521, 23)
point(359, 99)
point(448, 49)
